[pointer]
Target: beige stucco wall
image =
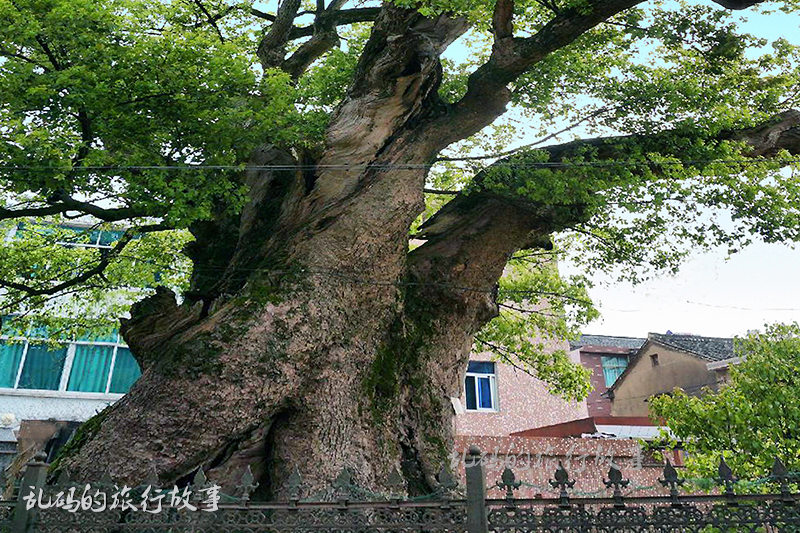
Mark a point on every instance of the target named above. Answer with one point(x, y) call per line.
point(523, 403)
point(675, 369)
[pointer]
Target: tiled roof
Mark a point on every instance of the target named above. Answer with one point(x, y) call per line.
point(7, 435)
point(706, 348)
point(632, 343)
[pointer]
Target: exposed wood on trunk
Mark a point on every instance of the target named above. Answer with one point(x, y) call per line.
point(397, 71)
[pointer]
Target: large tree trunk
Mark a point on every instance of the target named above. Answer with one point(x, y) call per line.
point(329, 356)
point(311, 338)
point(305, 342)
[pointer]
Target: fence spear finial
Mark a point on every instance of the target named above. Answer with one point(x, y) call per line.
point(672, 480)
point(200, 480)
point(563, 482)
point(294, 485)
point(446, 479)
point(726, 477)
point(63, 478)
point(615, 480)
point(781, 474)
point(508, 481)
point(106, 479)
point(343, 485)
point(152, 476)
point(396, 484)
point(247, 484)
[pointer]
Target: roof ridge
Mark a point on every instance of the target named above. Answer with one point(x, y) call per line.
point(610, 336)
point(690, 335)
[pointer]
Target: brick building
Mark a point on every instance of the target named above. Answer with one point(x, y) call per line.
point(607, 357)
point(500, 399)
point(535, 459)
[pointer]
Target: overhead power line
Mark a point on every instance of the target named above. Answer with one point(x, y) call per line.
point(396, 166)
point(743, 308)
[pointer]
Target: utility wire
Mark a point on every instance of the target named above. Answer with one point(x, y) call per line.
point(393, 166)
point(743, 308)
point(356, 279)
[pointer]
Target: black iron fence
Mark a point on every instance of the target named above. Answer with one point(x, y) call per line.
point(67, 507)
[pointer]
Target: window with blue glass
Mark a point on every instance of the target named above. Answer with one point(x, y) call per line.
point(613, 367)
point(30, 359)
point(73, 235)
point(100, 365)
point(481, 386)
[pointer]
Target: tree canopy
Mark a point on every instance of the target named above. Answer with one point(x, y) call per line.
point(148, 115)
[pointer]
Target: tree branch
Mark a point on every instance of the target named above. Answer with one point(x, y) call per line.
point(262, 15)
point(341, 17)
point(782, 132)
point(64, 204)
point(438, 191)
point(470, 239)
point(98, 269)
point(272, 47)
point(309, 52)
point(552, 6)
point(323, 39)
point(211, 20)
point(544, 139)
point(529, 311)
point(85, 124)
point(505, 356)
point(13, 55)
point(487, 93)
point(48, 52)
point(502, 19)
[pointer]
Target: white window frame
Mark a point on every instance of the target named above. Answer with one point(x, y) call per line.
point(66, 371)
point(492, 387)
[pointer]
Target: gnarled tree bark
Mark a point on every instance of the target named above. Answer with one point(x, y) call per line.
point(311, 337)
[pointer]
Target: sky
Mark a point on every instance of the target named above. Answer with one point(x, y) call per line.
point(712, 295)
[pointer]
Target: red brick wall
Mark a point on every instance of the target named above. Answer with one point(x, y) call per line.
point(596, 403)
point(535, 459)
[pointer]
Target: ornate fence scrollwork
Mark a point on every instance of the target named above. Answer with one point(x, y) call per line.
point(347, 508)
point(725, 511)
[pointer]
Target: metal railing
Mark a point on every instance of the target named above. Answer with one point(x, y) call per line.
point(347, 508)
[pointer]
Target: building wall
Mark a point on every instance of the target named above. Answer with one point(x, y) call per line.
point(675, 369)
point(535, 459)
point(596, 403)
point(523, 403)
point(722, 376)
point(53, 405)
